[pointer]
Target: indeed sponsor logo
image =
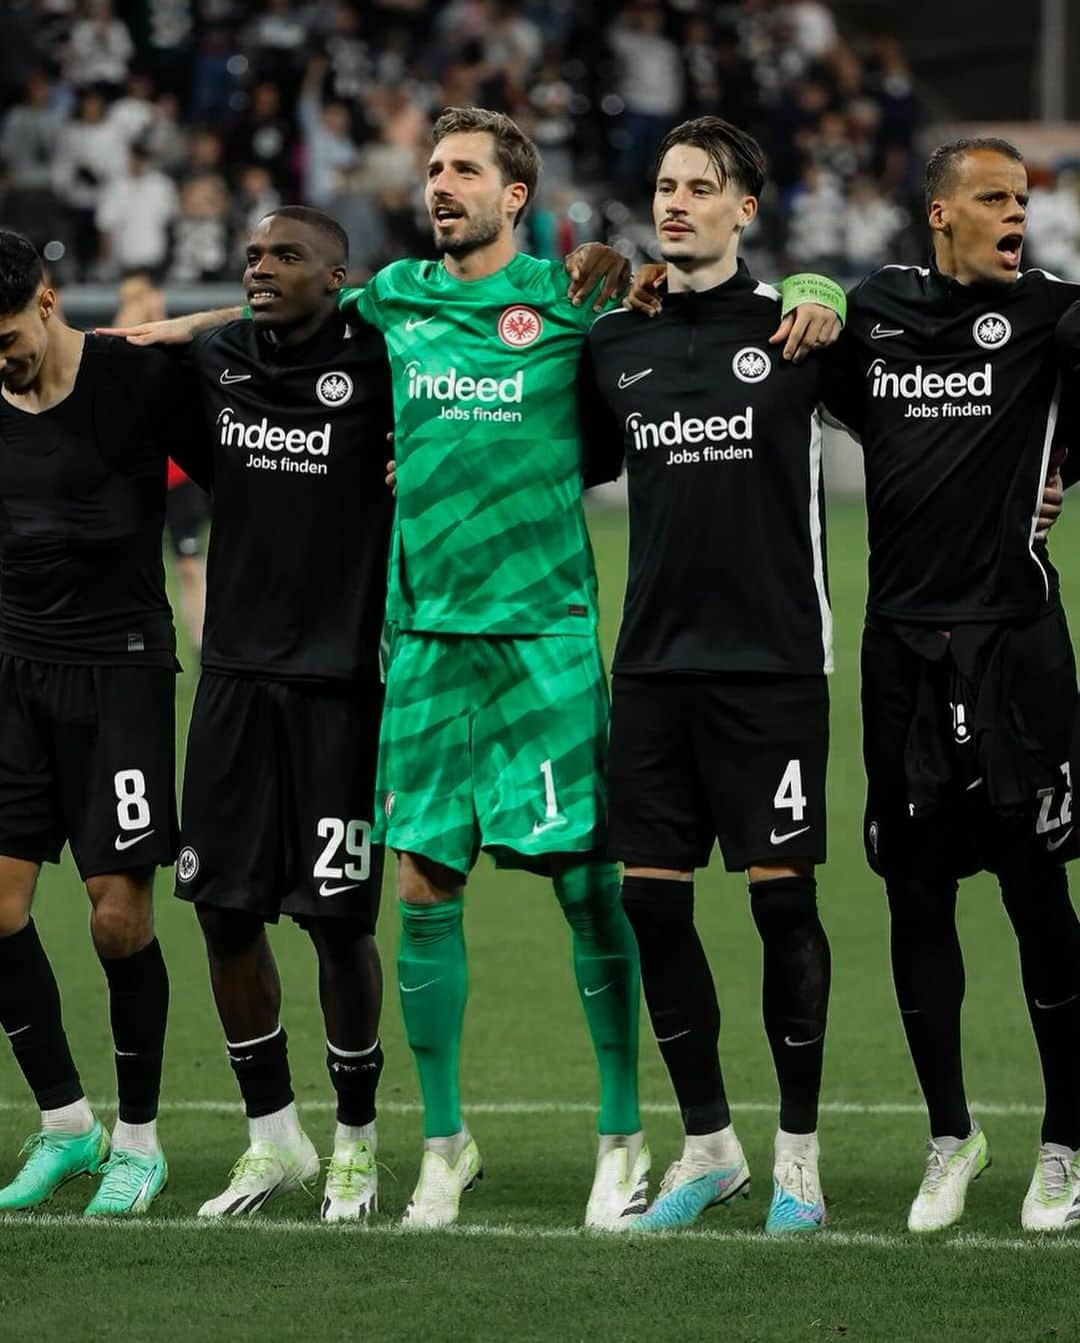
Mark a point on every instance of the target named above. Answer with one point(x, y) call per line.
point(489, 398)
point(917, 385)
point(455, 386)
point(681, 431)
point(297, 445)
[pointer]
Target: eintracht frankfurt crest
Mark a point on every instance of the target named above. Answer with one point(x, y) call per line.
point(519, 325)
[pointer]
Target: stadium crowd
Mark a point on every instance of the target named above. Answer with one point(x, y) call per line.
point(150, 133)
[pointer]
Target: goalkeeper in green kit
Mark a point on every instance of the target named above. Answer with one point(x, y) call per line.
point(495, 726)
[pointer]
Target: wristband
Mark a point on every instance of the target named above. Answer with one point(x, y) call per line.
point(810, 288)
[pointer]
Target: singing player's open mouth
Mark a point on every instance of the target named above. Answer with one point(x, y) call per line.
point(1010, 247)
point(447, 214)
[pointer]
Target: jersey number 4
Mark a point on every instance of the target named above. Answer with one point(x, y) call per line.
point(789, 793)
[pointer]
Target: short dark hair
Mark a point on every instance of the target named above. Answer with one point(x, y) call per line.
point(518, 158)
point(941, 165)
point(736, 156)
point(21, 271)
point(316, 219)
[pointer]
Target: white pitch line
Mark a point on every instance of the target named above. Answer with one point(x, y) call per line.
point(557, 1107)
point(508, 1231)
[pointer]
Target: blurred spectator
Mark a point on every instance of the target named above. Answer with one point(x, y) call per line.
point(816, 235)
point(90, 153)
point(99, 49)
point(650, 87)
point(135, 215)
point(328, 144)
point(1053, 232)
point(140, 300)
point(871, 225)
point(164, 136)
point(134, 111)
point(30, 135)
point(256, 196)
point(201, 248)
point(264, 135)
point(275, 43)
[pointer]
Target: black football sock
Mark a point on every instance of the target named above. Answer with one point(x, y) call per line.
point(262, 1071)
point(794, 992)
point(1036, 896)
point(355, 1077)
point(928, 974)
point(680, 996)
point(138, 1011)
point(31, 1019)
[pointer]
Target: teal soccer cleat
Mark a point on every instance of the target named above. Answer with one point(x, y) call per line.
point(52, 1159)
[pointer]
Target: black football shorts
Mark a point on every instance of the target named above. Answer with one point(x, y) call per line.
point(738, 758)
point(87, 756)
point(279, 795)
point(967, 743)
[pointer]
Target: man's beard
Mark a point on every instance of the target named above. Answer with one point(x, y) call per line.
point(479, 232)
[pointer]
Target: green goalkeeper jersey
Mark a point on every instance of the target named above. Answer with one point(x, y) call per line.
point(489, 534)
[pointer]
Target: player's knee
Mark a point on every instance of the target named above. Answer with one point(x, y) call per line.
point(781, 904)
point(229, 933)
point(917, 903)
point(423, 882)
point(656, 905)
point(588, 894)
point(122, 921)
point(16, 895)
point(1035, 892)
point(342, 944)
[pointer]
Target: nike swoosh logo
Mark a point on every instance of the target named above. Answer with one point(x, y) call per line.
point(801, 1044)
point(774, 838)
point(415, 988)
point(1049, 1007)
point(1052, 844)
point(411, 323)
point(540, 826)
point(880, 332)
point(123, 844)
point(591, 993)
point(228, 377)
point(628, 379)
point(336, 890)
point(666, 1039)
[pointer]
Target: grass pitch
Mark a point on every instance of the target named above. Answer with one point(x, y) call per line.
point(517, 1268)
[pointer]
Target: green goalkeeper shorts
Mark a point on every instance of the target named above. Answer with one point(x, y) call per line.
point(493, 743)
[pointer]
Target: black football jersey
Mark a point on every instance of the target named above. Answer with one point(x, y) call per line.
point(955, 391)
point(722, 443)
point(82, 504)
point(296, 571)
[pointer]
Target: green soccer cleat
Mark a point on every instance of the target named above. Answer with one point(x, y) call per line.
point(131, 1183)
point(52, 1159)
point(951, 1166)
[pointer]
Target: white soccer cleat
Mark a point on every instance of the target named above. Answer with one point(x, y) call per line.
point(438, 1191)
point(265, 1171)
point(1052, 1202)
point(951, 1165)
point(620, 1189)
point(352, 1184)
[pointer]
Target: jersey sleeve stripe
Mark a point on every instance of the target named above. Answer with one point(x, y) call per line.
point(1048, 438)
point(816, 542)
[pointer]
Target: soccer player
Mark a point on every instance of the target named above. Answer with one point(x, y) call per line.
point(87, 686)
point(496, 712)
point(719, 701)
point(279, 784)
point(969, 682)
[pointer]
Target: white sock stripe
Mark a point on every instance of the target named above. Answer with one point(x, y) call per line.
point(247, 1044)
point(352, 1053)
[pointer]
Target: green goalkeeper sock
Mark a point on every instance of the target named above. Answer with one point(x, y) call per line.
point(608, 979)
point(434, 983)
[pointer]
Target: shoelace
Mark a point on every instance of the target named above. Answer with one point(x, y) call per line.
point(672, 1177)
point(793, 1175)
point(121, 1171)
point(936, 1162)
point(1056, 1174)
point(341, 1174)
point(249, 1166)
